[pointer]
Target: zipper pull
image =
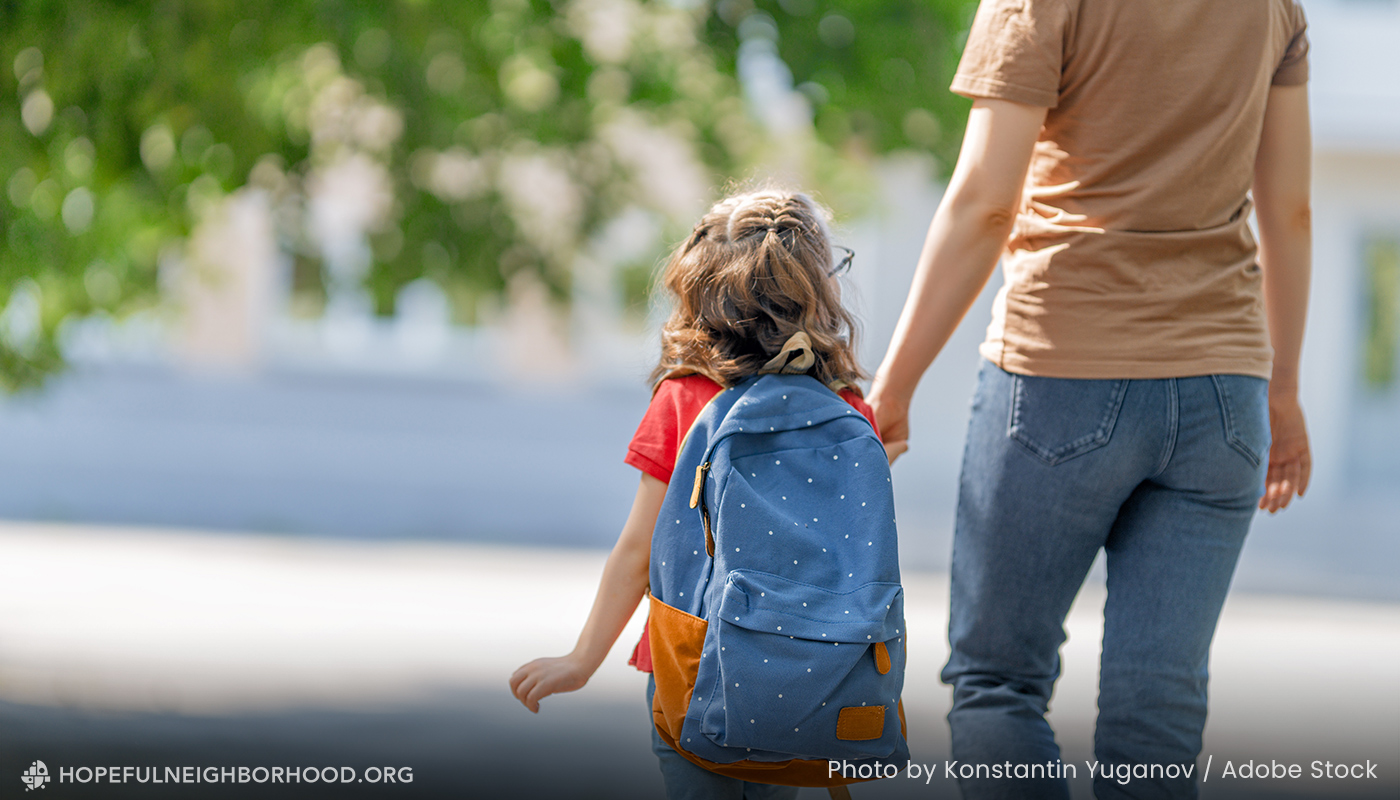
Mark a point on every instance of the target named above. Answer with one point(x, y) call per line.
point(699, 483)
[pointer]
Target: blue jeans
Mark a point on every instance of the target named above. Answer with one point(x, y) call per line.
point(1164, 476)
point(685, 781)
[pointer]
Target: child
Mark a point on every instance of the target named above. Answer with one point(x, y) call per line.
point(757, 269)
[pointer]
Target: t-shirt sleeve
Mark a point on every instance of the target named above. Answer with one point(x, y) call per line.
point(859, 404)
point(1293, 69)
point(674, 407)
point(654, 446)
point(1015, 51)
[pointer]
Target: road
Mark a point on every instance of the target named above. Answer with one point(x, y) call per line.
point(150, 646)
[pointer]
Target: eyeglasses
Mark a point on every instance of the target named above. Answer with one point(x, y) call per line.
point(844, 265)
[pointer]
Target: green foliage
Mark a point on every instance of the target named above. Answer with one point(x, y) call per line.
point(1381, 342)
point(130, 120)
point(875, 71)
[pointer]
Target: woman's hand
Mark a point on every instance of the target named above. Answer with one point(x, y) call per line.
point(892, 418)
point(546, 676)
point(1290, 458)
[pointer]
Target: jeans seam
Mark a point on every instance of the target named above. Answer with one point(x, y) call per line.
point(1174, 425)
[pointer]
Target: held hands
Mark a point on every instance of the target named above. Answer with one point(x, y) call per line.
point(1290, 458)
point(892, 417)
point(546, 676)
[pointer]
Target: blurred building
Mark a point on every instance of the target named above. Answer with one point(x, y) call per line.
point(1352, 361)
point(413, 426)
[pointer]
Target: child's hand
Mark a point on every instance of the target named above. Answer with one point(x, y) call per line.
point(546, 676)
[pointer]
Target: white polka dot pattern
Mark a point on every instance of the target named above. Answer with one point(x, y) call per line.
point(797, 460)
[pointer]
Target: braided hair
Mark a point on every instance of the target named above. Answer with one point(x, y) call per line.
point(753, 272)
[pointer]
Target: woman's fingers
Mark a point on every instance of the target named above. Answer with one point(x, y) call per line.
point(896, 449)
point(1285, 479)
point(1290, 457)
point(1272, 487)
point(895, 428)
point(891, 418)
point(1292, 479)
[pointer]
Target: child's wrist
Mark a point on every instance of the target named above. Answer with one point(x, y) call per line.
point(585, 662)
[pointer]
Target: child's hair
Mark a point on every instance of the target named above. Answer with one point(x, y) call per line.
point(753, 273)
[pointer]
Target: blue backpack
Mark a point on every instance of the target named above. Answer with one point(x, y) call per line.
point(777, 615)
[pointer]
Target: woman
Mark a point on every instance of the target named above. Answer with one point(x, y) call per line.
point(1141, 353)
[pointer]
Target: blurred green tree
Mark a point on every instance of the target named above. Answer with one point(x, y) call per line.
point(875, 71)
point(507, 133)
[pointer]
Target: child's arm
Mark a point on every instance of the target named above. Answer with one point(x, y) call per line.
point(625, 577)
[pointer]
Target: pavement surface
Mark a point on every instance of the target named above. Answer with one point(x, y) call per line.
point(147, 647)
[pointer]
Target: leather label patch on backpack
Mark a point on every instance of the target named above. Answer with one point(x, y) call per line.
point(882, 658)
point(858, 723)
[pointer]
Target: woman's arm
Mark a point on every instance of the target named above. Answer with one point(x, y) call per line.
point(624, 580)
point(1282, 188)
point(965, 239)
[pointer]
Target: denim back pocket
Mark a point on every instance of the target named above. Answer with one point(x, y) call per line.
point(1244, 409)
point(1062, 418)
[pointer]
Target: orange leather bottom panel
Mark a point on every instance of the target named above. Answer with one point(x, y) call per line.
point(795, 772)
point(676, 639)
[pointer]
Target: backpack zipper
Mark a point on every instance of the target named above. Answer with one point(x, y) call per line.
point(699, 483)
point(697, 498)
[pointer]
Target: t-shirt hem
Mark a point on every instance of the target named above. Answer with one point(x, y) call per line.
point(641, 659)
point(648, 466)
point(991, 88)
point(1144, 369)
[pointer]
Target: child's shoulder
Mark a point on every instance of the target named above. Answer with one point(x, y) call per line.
point(686, 395)
point(854, 397)
point(685, 391)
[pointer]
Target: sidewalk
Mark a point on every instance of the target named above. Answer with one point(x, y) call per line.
point(158, 644)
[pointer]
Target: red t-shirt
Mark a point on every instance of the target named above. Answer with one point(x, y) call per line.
point(656, 444)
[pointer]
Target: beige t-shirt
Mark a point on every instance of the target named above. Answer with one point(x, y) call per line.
point(1131, 255)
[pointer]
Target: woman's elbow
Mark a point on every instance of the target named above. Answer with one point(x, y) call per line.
point(1300, 218)
point(1292, 218)
point(988, 218)
point(973, 207)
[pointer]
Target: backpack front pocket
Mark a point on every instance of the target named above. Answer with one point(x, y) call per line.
point(793, 656)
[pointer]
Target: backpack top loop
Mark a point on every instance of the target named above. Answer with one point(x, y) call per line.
point(795, 358)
